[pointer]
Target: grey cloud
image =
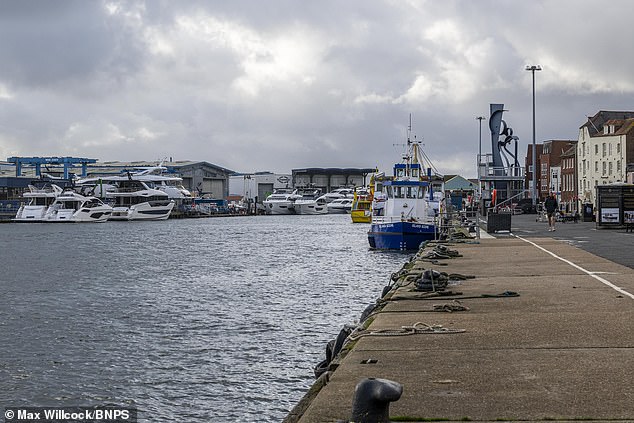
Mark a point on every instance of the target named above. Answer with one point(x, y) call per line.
point(254, 85)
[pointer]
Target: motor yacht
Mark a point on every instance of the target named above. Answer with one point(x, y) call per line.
point(282, 201)
point(38, 199)
point(338, 194)
point(70, 206)
point(172, 185)
point(310, 202)
point(340, 205)
point(131, 198)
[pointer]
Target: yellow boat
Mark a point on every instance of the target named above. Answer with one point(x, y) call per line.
point(361, 211)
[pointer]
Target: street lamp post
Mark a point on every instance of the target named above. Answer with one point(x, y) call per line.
point(534, 68)
point(480, 118)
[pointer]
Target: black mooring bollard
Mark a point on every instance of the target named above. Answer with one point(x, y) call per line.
point(372, 399)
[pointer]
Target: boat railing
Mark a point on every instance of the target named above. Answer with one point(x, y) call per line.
point(404, 218)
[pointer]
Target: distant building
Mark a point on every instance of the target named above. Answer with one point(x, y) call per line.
point(201, 178)
point(331, 178)
point(569, 197)
point(461, 191)
point(605, 152)
point(550, 166)
point(257, 186)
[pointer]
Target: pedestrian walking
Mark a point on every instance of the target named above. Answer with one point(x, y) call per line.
point(551, 207)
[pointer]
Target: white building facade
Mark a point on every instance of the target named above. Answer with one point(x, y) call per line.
point(602, 152)
point(257, 186)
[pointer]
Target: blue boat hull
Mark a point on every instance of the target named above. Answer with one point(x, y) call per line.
point(399, 235)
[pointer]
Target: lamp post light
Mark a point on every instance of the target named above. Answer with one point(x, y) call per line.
point(534, 68)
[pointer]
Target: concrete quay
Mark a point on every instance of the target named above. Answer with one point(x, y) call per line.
point(563, 350)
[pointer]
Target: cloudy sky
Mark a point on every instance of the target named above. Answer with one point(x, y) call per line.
point(280, 84)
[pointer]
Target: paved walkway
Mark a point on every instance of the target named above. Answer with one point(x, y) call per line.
point(563, 349)
point(613, 244)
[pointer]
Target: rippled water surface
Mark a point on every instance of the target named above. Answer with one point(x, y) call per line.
point(198, 320)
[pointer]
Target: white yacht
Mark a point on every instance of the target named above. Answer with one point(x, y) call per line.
point(132, 198)
point(340, 205)
point(282, 201)
point(338, 194)
point(70, 206)
point(39, 199)
point(169, 184)
point(310, 202)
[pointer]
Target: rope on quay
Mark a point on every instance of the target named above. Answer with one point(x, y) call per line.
point(505, 294)
point(418, 328)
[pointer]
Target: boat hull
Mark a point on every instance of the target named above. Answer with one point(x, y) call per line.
point(93, 214)
point(338, 210)
point(143, 211)
point(276, 208)
point(400, 235)
point(361, 216)
point(30, 214)
point(310, 208)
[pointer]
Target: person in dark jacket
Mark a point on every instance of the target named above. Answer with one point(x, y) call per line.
point(551, 207)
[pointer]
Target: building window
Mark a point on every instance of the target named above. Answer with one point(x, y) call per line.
point(604, 149)
point(610, 168)
point(618, 148)
point(603, 167)
point(596, 166)
point(596, 149)
point(610, 149)
point(618, 167)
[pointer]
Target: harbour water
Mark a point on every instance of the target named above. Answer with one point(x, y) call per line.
point(195, 320)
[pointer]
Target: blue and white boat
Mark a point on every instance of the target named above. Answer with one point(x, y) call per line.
point(411, 212)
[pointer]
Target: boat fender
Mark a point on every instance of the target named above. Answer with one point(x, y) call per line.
point(366, 313)
point(330, 347)
point(321, 368)
point(386, 289)
point(372, 397)
point(333, 347)
point(341, 339)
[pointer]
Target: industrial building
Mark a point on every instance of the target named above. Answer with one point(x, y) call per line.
point(330, 178)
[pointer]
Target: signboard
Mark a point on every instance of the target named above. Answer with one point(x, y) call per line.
point(628, 205)
point(615, 205)
point(610, 215)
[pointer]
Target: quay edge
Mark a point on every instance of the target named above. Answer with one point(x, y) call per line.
point(512, 362)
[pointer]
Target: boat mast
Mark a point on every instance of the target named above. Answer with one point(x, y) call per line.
point(408, 154)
